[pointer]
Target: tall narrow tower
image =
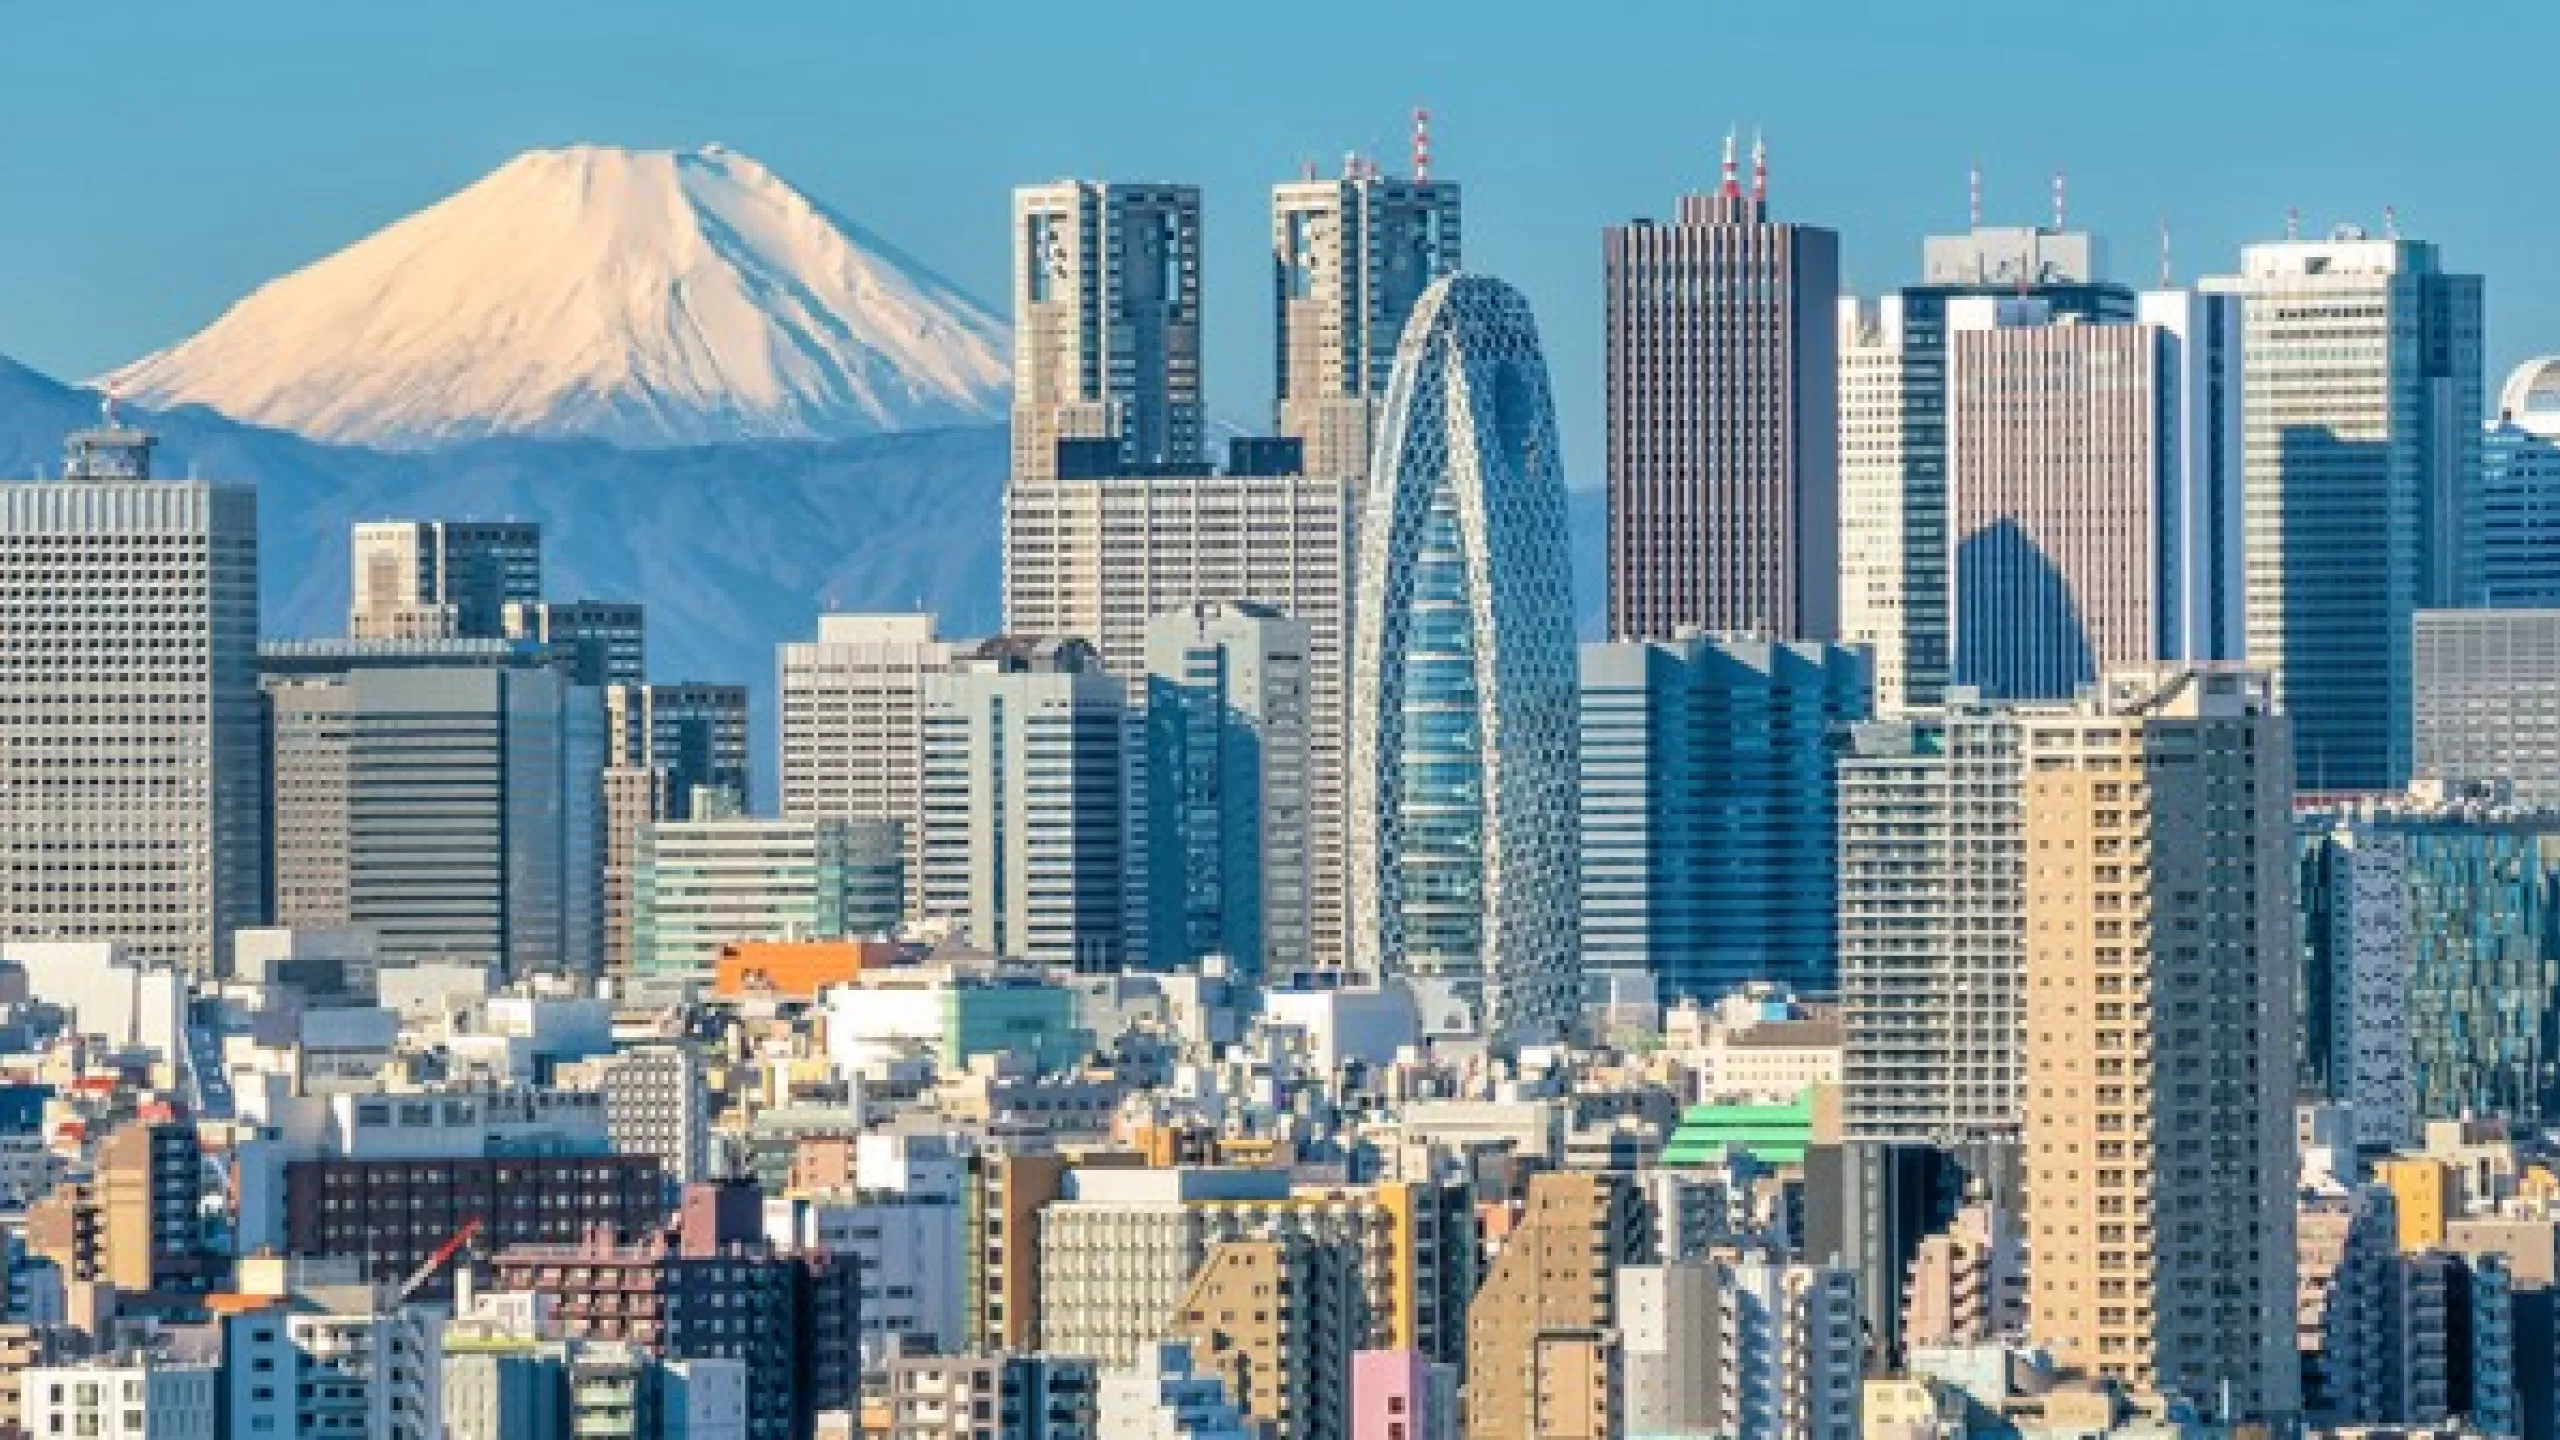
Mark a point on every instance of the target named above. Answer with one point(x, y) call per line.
point(1723, 419)
point(1106, 333)
point(1350, 258)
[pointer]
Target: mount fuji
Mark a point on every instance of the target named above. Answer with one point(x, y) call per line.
point(648, 299)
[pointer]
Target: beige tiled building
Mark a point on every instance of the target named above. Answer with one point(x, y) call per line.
point(2160, 964)
point(1543, 1327)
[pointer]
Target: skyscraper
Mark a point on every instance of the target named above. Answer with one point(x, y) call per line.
point(445, 794)
point(2513, 538)
point(853, 722)
point(1462, 811)
point(1894, 562)
point(1709, 852)
point(2361, 410)
point(1350, 259)
point(1227, 792)
point(1100, 555)
point(718, 879)
point(1724, 446)
point(441, 579)
point(130, 784)
point(664, 744)
point(1028, 841)
point(2159, 988)
point(2093, 501)
point(1106, 322)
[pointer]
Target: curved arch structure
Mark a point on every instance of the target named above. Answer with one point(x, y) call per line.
point(2531, 397)
point(1464, 827)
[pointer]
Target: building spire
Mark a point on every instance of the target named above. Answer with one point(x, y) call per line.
point(1759, 168)
point(1732, 187)
point(1421, 144)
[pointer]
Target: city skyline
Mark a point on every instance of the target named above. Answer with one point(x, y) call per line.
point(1867, 142)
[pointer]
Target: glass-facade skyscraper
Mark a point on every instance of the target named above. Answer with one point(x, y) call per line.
point(2431, 963)
point(1710, 852)
point(2512, 537)
point(1463, 750)
point(2360, 412)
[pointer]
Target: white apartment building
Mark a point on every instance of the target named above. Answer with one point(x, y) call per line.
point(1741, 1344)
point(135, 1399)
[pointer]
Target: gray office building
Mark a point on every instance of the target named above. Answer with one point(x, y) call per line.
point(603, 642)
point(2486, 699)
point(1229, 772)
point(446, 795)
point(1030, 846)
point(130, 784)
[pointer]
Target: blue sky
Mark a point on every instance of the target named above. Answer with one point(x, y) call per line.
point(158, 158)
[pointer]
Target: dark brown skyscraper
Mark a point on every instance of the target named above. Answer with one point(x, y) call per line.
point(1724, 441)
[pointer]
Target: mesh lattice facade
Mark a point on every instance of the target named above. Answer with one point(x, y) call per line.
point(1463, 820)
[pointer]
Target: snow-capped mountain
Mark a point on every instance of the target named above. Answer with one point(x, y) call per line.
point(647, 298)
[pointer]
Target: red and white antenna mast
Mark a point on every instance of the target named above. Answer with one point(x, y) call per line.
point(1731, 189)
point(1759, 169)
point(1421, 144)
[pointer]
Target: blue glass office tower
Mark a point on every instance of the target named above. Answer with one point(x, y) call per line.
point(1710, 848)
point(1462, 755)
point(2512, 545)
point(2431, 963)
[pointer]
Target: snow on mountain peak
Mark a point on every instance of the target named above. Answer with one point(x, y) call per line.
point(645, 297)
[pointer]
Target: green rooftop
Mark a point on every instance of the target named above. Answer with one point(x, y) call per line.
point(1770, 1134)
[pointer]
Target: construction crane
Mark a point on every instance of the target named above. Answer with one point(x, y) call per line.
point(444, 1254)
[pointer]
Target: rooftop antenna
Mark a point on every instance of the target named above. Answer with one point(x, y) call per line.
point(1307, 168)
point(2061, 209)
point(1350, 164)
point(2390, 222)
point(1973, 196)
point(2165, 281)
point(1759, 167)
point(1732, 186)
point(1421, 144)
point(2293, 222)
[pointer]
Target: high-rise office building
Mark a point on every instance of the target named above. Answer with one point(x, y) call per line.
point(2361, 411)
point(1105, 550)
point(1723, 419)
point(1029, 846)
point(1709, 848)
point(719, 879)
point(1929, 925)
point(1106, 322)
point(2159, 989)
point(131, 789)
point(1227, 787)
point(2093, 502)
point(1350, 258)
point(853, 722)
point(445, 794)
point(441, 579)
point(1894, 561)
point(2431, 963)
point(602, 642)
point(1462, 811)
point(2485, 687)
point(2512, 538)
point(667, 747)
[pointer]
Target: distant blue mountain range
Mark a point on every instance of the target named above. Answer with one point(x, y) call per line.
point(734, 548)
